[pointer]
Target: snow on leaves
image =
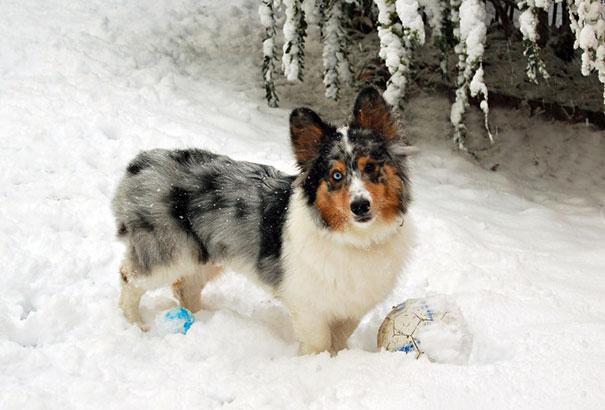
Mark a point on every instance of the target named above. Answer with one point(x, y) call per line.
point(587, 18)
point(336, 63)
point(528, 24)
point(401, 29)
point(471, 18)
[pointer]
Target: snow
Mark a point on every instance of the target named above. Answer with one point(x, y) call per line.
point(292, 50)
point(528, 23)
point(87, 84)
point(333, 57)
point(407, 11)
point(433, 11)
point(472, 28)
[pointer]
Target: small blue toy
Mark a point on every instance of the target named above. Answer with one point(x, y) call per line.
point(176, 320)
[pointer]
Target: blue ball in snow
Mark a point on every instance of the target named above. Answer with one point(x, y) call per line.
point(176, 320)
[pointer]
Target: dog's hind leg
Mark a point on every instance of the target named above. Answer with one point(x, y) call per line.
point(130, 298)
point(187, 290)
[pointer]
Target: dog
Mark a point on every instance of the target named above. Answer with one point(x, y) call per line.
point(329, 242)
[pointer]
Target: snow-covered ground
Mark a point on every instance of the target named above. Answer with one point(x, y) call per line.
point(86, 84)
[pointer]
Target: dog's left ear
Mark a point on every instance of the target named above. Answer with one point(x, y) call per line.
point(306, 132)
point(371, 111)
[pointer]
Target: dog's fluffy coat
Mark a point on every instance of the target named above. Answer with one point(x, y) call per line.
point(328, 242)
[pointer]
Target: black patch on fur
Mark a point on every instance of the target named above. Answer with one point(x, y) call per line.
point(179, 200)
point(122, 230)
point(208, 182)
point(320, 168)
point(139, 163)
point(187, 157)
point(274, 208)
point(140, 222)
point(241, 209)
point(218, 201)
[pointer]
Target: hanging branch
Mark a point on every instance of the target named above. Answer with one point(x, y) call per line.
point(335, 59)
point(398, 38)
point(469, 17)
point(312, 10)
point(433, 10)
point(444, 39)
point(528, 23)
point(267, 18)
point(587, 20)
point(295, 31)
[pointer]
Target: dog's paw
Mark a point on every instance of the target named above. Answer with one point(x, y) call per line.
point(144, 327)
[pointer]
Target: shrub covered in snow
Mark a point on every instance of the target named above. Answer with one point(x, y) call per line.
point(587, 19)
point(401, 29)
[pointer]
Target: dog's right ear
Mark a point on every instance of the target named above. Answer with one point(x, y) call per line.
point(306, 132)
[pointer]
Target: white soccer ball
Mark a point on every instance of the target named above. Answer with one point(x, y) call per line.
point(433, 326)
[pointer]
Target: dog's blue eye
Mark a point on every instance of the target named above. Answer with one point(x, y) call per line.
point(337, 176)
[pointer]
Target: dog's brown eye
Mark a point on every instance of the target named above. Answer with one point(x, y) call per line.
point(337, 176)
point(369, 168)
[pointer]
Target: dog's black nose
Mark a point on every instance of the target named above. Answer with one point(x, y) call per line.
point(360, 207)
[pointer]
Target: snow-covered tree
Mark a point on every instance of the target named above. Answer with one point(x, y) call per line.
point(433, 10)
point(528, 23)
point(400, 31)
point(457, 24)
point(587, 19)
point(336, 63)
point(295, 31)
point(470, 32)
point(266, 11)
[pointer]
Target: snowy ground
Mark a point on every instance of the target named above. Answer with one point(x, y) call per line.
point(84, 85)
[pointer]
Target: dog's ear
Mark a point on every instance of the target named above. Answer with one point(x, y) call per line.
point(371, 111)
point(306, 132)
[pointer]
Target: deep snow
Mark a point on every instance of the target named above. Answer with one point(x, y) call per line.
point(84, 85)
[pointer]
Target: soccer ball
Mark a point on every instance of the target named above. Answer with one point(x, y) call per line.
point(433, 326)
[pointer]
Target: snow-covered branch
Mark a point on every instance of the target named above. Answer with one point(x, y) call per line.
point(267, 18)
point(457, 24)
point(470, 32)
point(400, 30)
point(528, 24)
point(587, 18)
point(336, 63)
point(295, 30)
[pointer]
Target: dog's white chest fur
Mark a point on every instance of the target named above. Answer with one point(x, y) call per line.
point(339, 275)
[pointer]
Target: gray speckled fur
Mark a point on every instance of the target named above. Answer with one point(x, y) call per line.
point(207, 205)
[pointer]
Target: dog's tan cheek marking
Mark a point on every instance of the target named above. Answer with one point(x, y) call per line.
point(333, 206)
point(386, 194)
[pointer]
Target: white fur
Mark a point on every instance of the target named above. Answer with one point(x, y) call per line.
point(345, 138)
point(331, 276)
point(357, 189)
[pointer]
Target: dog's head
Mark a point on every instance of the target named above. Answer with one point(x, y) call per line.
point(356, 175)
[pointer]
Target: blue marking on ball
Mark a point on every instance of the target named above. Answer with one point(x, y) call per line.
point(178, 320)
point(406, 348)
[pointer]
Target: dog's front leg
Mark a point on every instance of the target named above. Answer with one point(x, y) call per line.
point(313, 332)
point(341, 330)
